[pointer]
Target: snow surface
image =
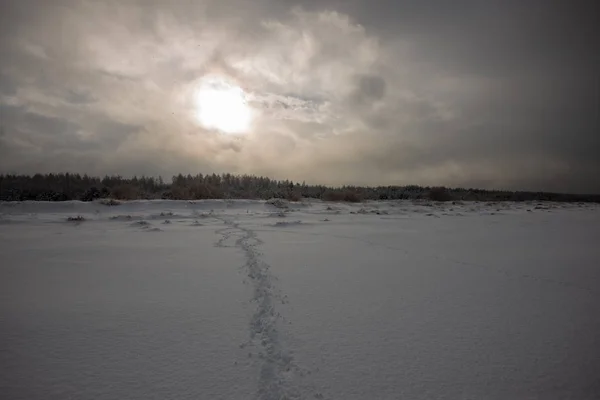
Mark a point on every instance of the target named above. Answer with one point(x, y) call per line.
point(311, 300)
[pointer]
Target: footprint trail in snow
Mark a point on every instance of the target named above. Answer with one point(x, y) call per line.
point(279, 376)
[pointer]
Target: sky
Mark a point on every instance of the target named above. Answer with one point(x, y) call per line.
point(473, 93)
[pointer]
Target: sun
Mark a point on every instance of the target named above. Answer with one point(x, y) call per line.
point(222, 106)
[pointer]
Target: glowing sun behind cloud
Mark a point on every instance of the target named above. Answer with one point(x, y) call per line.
point(222, 106)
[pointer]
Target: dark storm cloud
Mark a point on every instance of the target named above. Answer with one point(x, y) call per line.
point(545, 104)
point(490, 36)
point(474, 93)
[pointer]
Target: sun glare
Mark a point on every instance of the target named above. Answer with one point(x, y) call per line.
point(222, 106)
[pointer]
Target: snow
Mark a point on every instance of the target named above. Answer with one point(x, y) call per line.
point(312, 300)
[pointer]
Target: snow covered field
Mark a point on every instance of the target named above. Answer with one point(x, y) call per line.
point(249, 300)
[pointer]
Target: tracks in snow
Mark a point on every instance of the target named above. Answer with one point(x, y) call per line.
point(279, 375)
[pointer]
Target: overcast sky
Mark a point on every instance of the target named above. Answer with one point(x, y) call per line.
point(475, 93)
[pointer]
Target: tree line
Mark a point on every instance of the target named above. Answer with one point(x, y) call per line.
point(66, 186)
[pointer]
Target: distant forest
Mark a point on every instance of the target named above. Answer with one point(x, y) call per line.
point(63, 187)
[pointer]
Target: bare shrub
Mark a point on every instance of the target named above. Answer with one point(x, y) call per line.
point(110, 202)
point(278, 203)
point(125, 192)
point(352, 197)
point(180, 193)
point(439, 193)
point(341, 195)
point(293, 197)
point(332, 195)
